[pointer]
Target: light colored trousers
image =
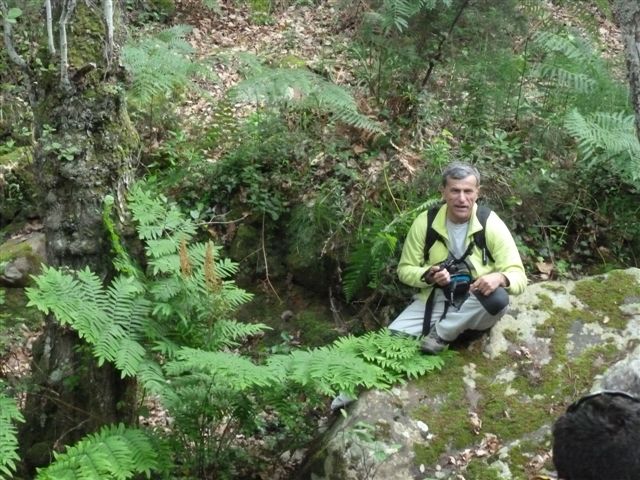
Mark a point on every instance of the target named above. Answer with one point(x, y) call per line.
point(471, 316)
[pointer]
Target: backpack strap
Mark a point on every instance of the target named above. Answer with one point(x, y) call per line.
point(431, 235)
point(482, 213)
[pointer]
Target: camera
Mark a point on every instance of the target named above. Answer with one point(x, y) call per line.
point(457, 291)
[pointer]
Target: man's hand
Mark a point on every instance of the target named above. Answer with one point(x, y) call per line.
point(488, 283)
point(438, 275)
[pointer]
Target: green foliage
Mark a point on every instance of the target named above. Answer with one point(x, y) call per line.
point(159, 64)
point(9, 415)
point(607, 140)
point(167, 325)
point(112, 321)
point(161, 68)
point(301, 89)
point(396, 14)
point(571, 66)
point(115, 452)
point(376, 248)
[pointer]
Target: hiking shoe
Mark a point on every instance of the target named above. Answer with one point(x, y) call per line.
point(432, 343)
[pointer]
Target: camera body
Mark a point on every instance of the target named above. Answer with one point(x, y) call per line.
point(457, 291)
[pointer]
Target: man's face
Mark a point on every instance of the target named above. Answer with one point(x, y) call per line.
point(460, 195)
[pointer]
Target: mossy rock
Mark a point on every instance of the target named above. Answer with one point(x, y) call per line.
point(20, 258)
point(488, 413)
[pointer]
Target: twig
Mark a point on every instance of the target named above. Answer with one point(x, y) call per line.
point(266, 263)
point(435, 58)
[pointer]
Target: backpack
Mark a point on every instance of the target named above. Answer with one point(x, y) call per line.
point(479, 240)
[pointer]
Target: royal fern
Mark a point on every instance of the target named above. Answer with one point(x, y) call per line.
point(607, 139)
point(9, 415)
point(159, 64)
point(115, 452)
point(376, 247)
point(301, 88)
point(112, 320)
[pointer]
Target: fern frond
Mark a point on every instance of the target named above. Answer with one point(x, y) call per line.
point(159, 65)
point(327, 370)
point(110, 320)
point(225, 368)
point(79, 301)
point(9, 415)
point(397, 355)
point(229, 333)
point(580, 82)
point(377, 243)
point(296, 86)
point(115, 452)
point(609, 137)
point(156, 217)
point(570, 46)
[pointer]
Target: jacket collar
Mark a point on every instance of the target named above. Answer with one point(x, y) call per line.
point(440, 222)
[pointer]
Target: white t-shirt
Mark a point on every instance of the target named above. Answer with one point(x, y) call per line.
point(457, 237)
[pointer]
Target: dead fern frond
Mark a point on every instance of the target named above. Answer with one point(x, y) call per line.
point(185, 264)
point(214, 284)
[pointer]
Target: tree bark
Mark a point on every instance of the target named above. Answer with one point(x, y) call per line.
point(85, 148)
point(627, 13)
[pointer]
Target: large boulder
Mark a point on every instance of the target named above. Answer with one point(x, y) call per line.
point(487, 414)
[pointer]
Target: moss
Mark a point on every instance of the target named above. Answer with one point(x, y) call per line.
point(291, 61)
point(546, 303)
point(481, 469)
point(539, 393)
point(13, 249)
point(520, 457)
point(447, 420)
point(555, 288)
point(604, 295)
point(86, 36)
point(19, 155)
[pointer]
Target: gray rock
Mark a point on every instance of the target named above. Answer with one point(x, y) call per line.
point(20, 258)
point(489, 415)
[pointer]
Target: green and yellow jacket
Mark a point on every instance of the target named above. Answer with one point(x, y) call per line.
point(499, 241)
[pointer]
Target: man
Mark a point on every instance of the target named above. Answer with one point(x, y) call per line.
point(599, 435)
point(480, 299)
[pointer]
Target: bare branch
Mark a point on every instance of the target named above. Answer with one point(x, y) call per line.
point(67, 10)
point(107, 6)
point(8, 43)
point(52, 46)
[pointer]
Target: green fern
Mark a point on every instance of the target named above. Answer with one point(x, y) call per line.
point(398, 356)
point(571, 62)
point(377, 245)
point(9, 415)
point(115, 452)
point(607, 137)
point(326, 370)
point(396, 14)
point(297, 87)
point(226, 369)
point(159, 65)
point(112, 321)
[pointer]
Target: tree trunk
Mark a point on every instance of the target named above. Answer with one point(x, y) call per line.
point(627, 14)
point(85, 146)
